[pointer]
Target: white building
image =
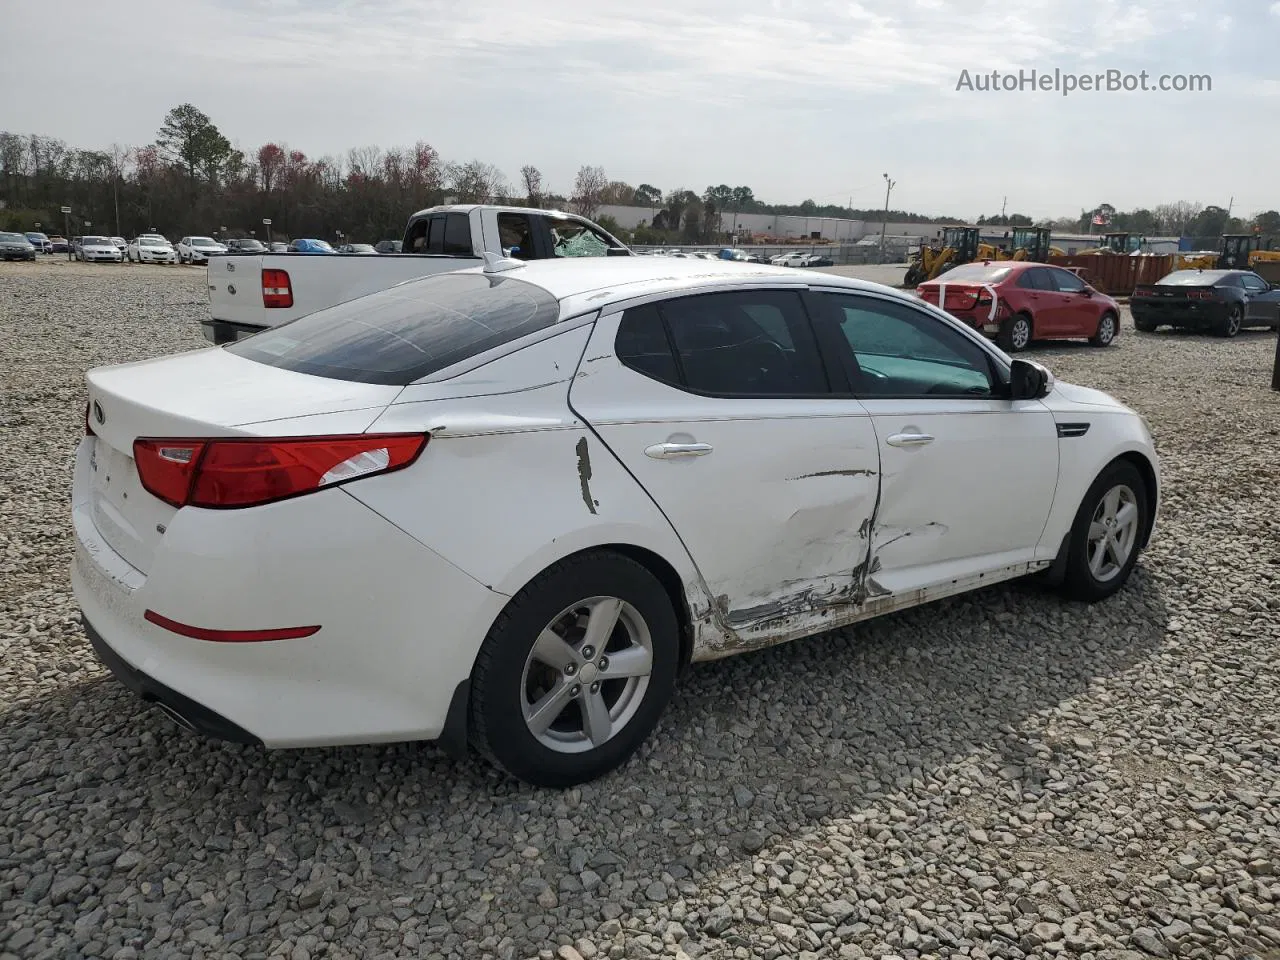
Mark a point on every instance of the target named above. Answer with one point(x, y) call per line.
point(786, 227)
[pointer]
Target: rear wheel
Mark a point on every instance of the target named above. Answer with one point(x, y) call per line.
point(576, 671)
point(1231, 325)
point(1143, 325)
point(1106, 536)
point(1015, 333)
point(1107, 327)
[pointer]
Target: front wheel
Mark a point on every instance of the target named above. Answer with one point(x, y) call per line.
point(1106, 332)
point(1231, 326)
point(1106, 536)
point(576, 671)
point(1015, 333)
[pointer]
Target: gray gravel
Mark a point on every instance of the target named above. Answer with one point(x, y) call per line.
point(1001, 775)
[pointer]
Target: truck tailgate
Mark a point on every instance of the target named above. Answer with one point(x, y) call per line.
point(236, 302)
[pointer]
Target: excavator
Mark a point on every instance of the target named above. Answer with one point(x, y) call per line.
point(959, 245)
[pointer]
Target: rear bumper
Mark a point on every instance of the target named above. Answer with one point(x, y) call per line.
point(228, 331)
point(400, 626)
point(1191, 315)
point(184, 710)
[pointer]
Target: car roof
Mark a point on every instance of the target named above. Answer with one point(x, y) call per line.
point(589, 283)
point(468, 207)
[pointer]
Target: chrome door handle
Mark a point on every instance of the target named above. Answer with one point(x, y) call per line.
point(909, 440)
point(674, 451)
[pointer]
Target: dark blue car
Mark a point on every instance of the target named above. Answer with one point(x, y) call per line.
point(310, 246)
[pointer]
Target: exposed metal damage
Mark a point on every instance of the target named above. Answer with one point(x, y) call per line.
point(584, 474)
point(836, 473)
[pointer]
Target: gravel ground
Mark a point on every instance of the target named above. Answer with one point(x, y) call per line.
point(1001, 775)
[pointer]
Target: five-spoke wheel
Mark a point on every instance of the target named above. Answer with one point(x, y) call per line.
point(576, 670)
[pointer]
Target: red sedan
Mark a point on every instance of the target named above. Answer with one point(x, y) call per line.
point(1018, 301)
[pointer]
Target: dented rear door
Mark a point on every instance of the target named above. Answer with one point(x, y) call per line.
point(772, 495)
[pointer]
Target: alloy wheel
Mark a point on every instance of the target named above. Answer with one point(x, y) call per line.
point(1113, 532)
point(586, 675)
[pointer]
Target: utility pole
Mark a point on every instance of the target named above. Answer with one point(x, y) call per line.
point(1003, 203)
point(884, 224)
point(66, 230)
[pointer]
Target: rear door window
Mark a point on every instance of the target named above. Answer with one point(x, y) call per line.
point(405, 333)
point(1036, 278)
point(457, 234)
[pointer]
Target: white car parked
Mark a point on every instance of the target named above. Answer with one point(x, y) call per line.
point(198, 249)
point(152, 248)
point(97, 249)
point(505, 506)
point(789, 259)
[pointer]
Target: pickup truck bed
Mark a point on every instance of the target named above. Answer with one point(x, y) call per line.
point(250, 292)
point(239, 285)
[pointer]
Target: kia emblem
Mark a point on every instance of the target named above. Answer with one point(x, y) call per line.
point(98, 414)
point(231, 289)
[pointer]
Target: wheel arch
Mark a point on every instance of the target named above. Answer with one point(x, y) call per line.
point(1152, 484)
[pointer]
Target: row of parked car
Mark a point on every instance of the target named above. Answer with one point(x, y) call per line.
point(155, 248)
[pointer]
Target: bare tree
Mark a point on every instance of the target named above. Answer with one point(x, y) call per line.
point(1174, 218)
point(588, 190)
point(477, 182)
point(531, 177)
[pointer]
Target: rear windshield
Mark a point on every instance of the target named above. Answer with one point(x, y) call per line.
point(1192, 278)
point(975, 273)
point(402, 334)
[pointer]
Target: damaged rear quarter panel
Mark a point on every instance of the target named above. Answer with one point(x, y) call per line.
point(511, 480)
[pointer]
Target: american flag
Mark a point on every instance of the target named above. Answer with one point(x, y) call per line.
point(1101, 219)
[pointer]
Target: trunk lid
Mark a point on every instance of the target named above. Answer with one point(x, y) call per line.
point(207, 393)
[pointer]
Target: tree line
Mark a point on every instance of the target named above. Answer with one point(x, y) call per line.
point(193, 180)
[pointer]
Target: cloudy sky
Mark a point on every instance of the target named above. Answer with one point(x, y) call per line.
point(795, 99)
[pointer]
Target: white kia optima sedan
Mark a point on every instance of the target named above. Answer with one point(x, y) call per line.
point(504, 507)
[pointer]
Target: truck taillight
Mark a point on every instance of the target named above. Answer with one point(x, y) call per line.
point(276, 289)
point(245, 472)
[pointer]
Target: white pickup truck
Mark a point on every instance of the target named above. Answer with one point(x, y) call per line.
point(253, 291)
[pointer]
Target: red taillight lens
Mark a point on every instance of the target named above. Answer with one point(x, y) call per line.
point(229, 636)
point(167, 467)
point(276, 289)
point(224, 474)
point(1199, 294)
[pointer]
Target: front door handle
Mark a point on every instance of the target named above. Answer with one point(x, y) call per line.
point(674, 451)
point(909, 440)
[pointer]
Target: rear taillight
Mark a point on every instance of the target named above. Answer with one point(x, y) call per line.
point(1199, 294)
point(166, 467)
point(276, 289)
point(225, 474)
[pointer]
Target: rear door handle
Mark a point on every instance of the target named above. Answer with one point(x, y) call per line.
point(909, 440)
point(675, 451)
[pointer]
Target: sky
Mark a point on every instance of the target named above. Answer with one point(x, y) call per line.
point(793, 99)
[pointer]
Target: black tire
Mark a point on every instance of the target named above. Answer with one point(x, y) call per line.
point(1144, 325)
point(1015, 333)
point(1106, 331)
point(497, 727)
point(913, 277)
point(1080, 581)
point(1230, 326)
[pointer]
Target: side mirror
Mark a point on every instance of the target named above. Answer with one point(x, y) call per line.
point(1087, 291)
point(1029, 380)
